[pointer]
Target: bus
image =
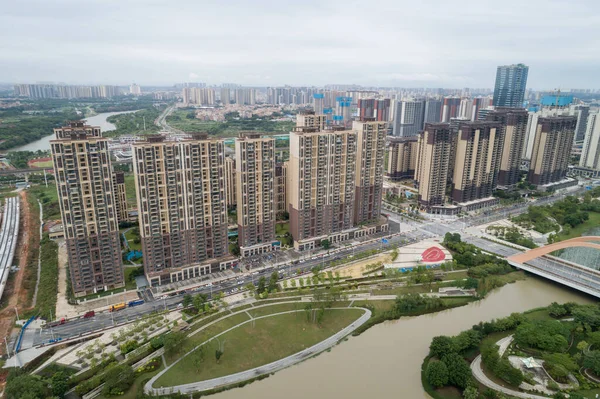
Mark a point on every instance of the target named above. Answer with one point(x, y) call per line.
point(118, 306)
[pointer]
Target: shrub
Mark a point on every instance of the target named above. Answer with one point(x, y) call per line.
point(437, 373)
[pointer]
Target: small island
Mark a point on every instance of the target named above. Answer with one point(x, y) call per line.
point(551, 352)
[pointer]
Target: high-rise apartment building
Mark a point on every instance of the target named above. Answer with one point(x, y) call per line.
point(180, 187)
point(477, 161)
point(582, 112)
point(120, 196)
point(513, 123)
point(225, 95)
point(511, 82)
point(433, 111)
point(281, 204)
point(450, 108)
point(320, 180)
point(551, 149)
point(86, 194)
point(408, 118)
point(401, 157)
point(378, 109)
point(135, 89)
point(255, 181)
point(590, 155)
point(434, 148)
point(230, 182)
point(310, 119)
point(370, 158)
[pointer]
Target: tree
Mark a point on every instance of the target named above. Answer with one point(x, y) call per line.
point(459, 372)
point(118, 379)
point(592, 361)
point(187, 300)
point(198, 358)
point(470, 393)
point(20, 385)
point(582, 345)
point(441, 346)
point(325, 244)
point(262, 283)
point(273, 282)
point(172, 342)
point(436, 373)
point(59, 384)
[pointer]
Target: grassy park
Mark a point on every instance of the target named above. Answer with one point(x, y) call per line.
point(254, 344)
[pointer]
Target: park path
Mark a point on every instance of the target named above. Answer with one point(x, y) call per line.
point(482, 378)
point(257, 371)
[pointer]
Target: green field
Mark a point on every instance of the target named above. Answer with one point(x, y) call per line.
point(130, 236)
point(255, 344)
point(282, 228)
point(283, 307)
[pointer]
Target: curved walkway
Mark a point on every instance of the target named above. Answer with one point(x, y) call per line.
point(482, 378)
point(257, 371)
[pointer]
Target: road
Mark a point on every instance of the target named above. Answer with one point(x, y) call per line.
point(258, 371)
point(423, 231)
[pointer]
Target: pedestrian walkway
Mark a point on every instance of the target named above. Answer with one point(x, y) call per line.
point(257, 371)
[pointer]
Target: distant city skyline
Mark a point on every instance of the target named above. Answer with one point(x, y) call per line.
point(308, 43)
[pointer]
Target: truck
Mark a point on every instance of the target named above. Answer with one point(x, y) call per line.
point(117, 307)
point(135, 302)
point(89, 314)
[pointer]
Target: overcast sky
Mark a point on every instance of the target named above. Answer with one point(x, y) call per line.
point(414, 43)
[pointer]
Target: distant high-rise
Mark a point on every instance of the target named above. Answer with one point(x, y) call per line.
point(477, 162)
point(450, 108)
point(310, 119)
point(120, 196)
point(401, 158)
point(511, 82)
point(433, 111)
point(582, 112)
point(225, 95)
point(180, 187)
point(590, 155)
point(551, 149)
point(408, 118)
point(255, 180)
point(135, 89)
point(86, 194)
point(231, 191)
point(434, 148)
point(281, 203)
point(377, 109)
point(513, 123)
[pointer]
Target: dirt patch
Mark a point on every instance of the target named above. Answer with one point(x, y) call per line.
point(357, 269)
point(15, 294)
point(63, 307)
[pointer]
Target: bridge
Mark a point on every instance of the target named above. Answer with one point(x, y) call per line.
point(538, 261)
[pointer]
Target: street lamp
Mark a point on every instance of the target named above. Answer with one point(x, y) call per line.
point(17, 312)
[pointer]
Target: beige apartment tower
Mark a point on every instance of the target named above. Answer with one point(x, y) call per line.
point(477, 162)
point(434, 148)
point(180, 188)
point(321, 185)
point(370, 158)
point(230, 191)
point(308, 118)
point(513, 125)
point(401, 157)
point(551, 149)
point(255, 182)
point(120, 196)
point(86, 194)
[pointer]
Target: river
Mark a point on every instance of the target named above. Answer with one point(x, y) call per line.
point(385, 361)
point(96, 120)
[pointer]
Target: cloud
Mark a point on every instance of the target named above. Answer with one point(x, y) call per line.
point(396, 42)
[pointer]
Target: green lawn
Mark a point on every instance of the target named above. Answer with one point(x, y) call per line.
point(206, 333)
point(283, 307)
point(379, 306)
point(577, 231)
point(130, 191)
point(130, 237)
point(282, 228)
point(539, 314)
point(256, 344)
point(129, 284)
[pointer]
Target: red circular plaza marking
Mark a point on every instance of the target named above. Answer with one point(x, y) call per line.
point(433, 254)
